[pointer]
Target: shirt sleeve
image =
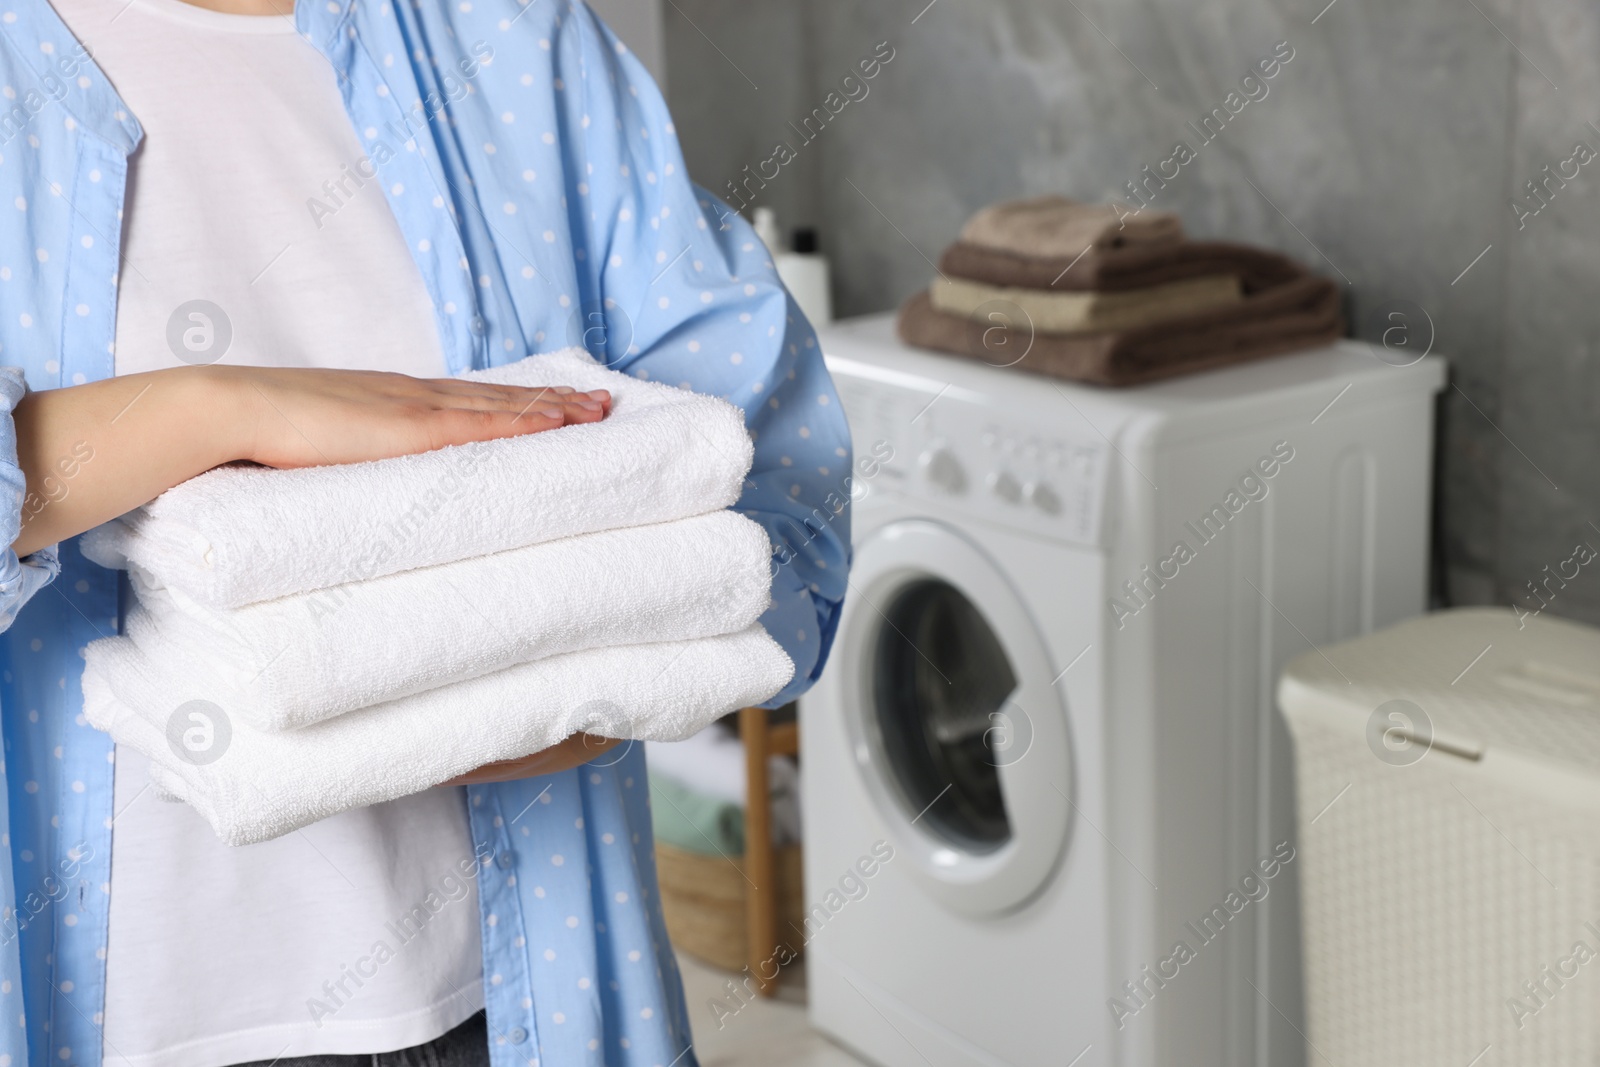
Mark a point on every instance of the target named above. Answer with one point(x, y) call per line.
point(679, 289)
point(19, 578)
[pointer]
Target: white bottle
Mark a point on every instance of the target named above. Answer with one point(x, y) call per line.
point(765, 221)
point(804, 271)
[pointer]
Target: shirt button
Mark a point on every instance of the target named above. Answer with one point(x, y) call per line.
point(477, 324)
point(506, 859)
point(518, 1036)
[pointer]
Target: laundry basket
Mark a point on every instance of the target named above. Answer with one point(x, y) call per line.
point(1449, 842)
point(704, 899)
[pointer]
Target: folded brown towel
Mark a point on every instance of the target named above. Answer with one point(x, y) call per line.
point(1051, 226)
point(1300, 313)
point(1118, 269)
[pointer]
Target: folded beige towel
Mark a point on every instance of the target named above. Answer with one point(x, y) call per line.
point(1054, 226)
point(1300, 313)
point(1087, 312)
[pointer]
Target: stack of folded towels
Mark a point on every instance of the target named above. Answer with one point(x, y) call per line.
point(308, 641)
point(1103, 293)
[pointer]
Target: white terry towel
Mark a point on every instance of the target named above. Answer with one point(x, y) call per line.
point(286, 663)
point(264, 785)
point(241, 534)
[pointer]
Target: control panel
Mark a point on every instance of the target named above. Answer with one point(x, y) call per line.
point(958, 449)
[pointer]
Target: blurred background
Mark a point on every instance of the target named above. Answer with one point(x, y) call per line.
point(1433, 156)
point(1385, 156)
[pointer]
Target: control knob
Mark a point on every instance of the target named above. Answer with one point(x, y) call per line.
point(1005, 486)
point(942, 469)
point(1041, 496)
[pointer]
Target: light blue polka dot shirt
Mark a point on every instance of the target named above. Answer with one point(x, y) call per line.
point(535, 173)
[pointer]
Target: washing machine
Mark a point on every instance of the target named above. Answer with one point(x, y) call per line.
point(1048, 803)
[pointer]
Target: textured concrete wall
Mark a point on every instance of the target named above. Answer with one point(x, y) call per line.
point(1384, 154)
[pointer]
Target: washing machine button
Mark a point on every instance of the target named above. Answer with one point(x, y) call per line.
point(1006, 487)
point(942, 468)
point(1041, 496)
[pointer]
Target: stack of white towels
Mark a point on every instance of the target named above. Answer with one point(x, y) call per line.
point(308, 641)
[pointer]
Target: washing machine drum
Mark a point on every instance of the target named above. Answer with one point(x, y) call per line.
point(959, 734)
point(938, 724)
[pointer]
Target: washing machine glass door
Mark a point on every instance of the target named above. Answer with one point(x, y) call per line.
point(959, 733)
point(941, 686)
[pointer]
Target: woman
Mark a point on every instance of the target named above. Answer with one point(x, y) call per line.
point(224, 224)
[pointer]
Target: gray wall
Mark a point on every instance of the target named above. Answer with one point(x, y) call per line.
point(639, 24)
point(1384, 155)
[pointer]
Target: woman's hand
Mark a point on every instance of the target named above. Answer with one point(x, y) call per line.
point(306, 418)
point(573, 752)
point(92, 452)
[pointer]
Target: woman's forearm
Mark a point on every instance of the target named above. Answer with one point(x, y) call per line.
point(91, 452)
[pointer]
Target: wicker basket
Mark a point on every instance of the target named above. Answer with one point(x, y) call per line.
point(703, 898)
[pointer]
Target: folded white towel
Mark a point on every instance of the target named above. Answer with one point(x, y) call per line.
point(290, 662)
point(258, 785)
point(241, 534)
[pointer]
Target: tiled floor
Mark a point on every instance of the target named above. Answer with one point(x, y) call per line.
point(764, 1033)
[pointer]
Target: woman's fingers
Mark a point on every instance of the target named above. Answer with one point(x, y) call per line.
point(531, 409)
point(580, 407)
point(450, 391)
point(577, 407)
point(459, 426)
point(571, 410)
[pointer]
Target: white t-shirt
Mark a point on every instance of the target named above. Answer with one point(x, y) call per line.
point(221, 955)
point(245, 130)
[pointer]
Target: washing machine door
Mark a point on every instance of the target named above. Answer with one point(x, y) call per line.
point(956, 727)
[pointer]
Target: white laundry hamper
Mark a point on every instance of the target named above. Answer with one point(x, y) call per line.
point(1449, 842)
